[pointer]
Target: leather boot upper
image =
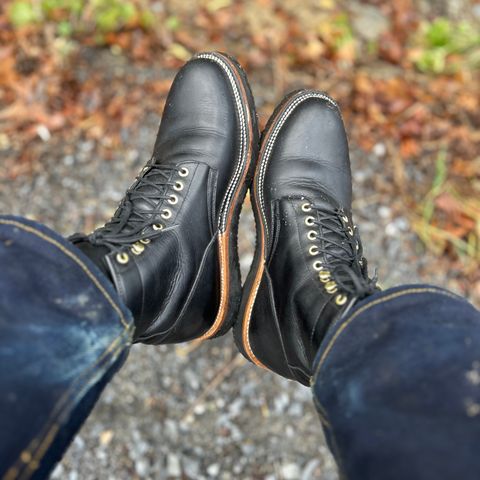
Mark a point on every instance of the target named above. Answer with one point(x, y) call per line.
point(172, 234)
point(309, 266)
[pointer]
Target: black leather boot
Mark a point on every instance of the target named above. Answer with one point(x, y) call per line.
point(308, 267)
point(171, 247)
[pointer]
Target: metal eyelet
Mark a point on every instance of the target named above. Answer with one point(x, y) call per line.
point(178, 186)
point(350, 231)
point(166, 213)
point(341, 299)
point(122, 258)
point(345, 218)
point(173, 200)
point(317, 265)
point(324, 276)
point(312, 235)
point(157, 226)
point(183, 172)
point(313, 250)
point(306, 207)
point(331, 287)
point(145, 241)
point(309, 221)
point(137, 248)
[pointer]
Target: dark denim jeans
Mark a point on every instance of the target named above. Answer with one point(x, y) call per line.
point(397, 387)
point(397, 382)
point(63, 333)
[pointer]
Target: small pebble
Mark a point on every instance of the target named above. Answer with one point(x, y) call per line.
point(213, 470)
point(384, 211)
point(44, 133)
point(174, 468)
point(290, 471)
point(380, 150)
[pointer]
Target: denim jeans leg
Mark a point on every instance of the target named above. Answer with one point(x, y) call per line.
point(397, 387)
point(63, 334)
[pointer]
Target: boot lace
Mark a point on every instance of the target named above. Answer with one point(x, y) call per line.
point(338, 254)
point(135, 222)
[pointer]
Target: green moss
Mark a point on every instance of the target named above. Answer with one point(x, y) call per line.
point(111, 15)
point(447, 46)
point(22, 13)
point(80, 16)
point(173, 23)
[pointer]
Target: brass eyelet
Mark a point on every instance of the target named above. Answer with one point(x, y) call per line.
point(331, 287)
point(313, 250)
point(178, 186)
point(166, 213)
point(324, 276)
point(137, 248)
point(145, 241)
point(183, 172)
point(173, 200)
point(309, 221)
point(157, 226)
point(312, 235)
point(306, 207)
point(341, 299)
point(122, 258)
point(317, 265)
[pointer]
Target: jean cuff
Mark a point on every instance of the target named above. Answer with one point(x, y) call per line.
point(368, 306)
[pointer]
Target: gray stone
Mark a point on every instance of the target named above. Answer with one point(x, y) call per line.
point(213, 470)
point(368, 21)
point(290, 471)
point(174, 468)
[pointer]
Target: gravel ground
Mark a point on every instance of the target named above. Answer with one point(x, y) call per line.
point(199, 411)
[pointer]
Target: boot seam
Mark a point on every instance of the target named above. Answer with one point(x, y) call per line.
point(272, 137)
point(243, 136)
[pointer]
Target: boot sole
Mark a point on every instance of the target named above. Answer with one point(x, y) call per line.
point(229, 266)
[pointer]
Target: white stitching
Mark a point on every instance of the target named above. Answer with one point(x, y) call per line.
point(243, 139)
point(273, 137)
point(261, 175)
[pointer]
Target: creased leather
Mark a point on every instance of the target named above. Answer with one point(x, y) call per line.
point(309, 162)
point(173, 287)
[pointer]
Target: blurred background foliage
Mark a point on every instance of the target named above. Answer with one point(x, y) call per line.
point(406, 73)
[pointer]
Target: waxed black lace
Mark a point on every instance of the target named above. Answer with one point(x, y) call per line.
point(115, 234)
point(343, 253)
